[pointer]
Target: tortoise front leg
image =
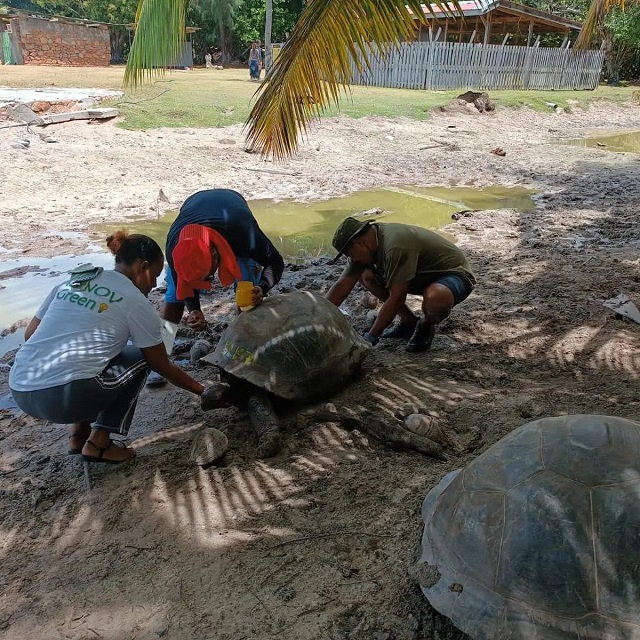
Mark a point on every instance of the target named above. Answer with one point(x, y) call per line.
point(265, 425)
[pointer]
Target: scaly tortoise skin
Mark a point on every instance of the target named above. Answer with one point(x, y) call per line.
point(538, 537)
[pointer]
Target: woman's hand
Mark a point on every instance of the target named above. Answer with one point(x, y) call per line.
point(159, 362)
point(196, 320)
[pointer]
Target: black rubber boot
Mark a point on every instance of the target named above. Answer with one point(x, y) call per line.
point(421, 339)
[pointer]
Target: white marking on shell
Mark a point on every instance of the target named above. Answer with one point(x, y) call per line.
point(292, 333)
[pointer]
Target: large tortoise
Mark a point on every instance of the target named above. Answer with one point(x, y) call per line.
point(296, 346)
point(539, 537)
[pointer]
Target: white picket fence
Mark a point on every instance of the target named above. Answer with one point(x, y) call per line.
point(454, 65)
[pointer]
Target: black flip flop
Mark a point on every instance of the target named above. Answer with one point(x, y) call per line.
point(101, 459)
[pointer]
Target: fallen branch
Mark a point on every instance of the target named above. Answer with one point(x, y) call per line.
point(143, 99)
point(375, 425)
point(15, 124)
point(265, 170)
point(332, 535)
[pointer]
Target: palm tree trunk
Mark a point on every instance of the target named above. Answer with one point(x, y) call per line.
point(268, 50)
point(222, 26)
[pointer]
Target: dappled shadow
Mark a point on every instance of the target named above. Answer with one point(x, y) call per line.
point(309, 544)
point(210, 543)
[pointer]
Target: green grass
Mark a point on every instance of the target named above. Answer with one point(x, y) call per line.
point(209, 98)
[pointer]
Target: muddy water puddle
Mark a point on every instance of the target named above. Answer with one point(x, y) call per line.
point(621, 142)
point(305, 229)
point(298, 229)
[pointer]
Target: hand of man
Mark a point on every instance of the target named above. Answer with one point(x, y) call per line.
point(256, 296)
point(196, 320)
point(372, 340)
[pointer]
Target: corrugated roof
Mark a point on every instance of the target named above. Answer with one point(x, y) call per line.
point(471, 8)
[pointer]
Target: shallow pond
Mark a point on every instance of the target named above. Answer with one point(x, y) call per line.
point(298, 229)
point(305, 229)
point(625, 142)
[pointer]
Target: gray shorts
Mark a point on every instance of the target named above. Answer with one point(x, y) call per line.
point(459, 286)
point(108, 401)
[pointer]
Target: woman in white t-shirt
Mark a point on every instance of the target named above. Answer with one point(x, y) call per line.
point(76, 367)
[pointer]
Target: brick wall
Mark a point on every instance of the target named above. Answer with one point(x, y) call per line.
point(58, 43)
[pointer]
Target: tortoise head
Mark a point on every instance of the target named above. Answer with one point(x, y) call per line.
point(216, 396)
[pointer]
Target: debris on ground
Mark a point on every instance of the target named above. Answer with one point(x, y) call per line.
point(480, 100)
point(208, 447)
point(623, 306)
point(376, 211)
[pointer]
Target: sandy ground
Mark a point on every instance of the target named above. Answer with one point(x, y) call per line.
point(317, 542)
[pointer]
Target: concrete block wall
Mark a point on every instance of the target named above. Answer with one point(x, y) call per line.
point(57, 43)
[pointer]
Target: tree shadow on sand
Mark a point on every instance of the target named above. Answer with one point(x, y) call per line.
point(316, 542)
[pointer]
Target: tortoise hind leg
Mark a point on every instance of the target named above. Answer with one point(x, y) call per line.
point(265, 425)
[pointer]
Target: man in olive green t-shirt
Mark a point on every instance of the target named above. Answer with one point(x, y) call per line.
point(392, 260)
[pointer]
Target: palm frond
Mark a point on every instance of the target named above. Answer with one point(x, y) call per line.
point(315, 65)
point(158, 40)
point(594, 19)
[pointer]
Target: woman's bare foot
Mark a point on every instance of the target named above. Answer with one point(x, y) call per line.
point(78, 434)
point(100, 448)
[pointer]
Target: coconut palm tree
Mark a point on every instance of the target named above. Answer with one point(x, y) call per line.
point(594, 19)
point(313, 69)
point(268, 22)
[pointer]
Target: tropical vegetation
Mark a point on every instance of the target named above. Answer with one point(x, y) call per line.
point(314, 68)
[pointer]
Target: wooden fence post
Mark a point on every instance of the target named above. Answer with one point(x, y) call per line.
point(450, 65)
point(564, 53)
point(528, 63)
point(429, 65)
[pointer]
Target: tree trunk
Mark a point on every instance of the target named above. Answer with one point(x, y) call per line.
point(224, 55)
point(223, 28)
point(268, 50)
point(393, 435)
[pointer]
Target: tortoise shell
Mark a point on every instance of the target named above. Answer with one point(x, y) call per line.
point(539, 537)
point(297, 346)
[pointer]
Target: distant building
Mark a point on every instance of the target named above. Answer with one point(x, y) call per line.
point(482, 45)
point(54, 41)
point(490, 21)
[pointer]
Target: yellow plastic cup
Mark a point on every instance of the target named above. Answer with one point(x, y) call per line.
point(243, 295)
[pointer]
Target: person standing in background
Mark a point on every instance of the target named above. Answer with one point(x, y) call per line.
point(255, 62)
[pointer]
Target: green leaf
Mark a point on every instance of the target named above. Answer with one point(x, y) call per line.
point(314, 67)
point(159, 39)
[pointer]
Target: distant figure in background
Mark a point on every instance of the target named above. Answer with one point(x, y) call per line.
point(207, 60)
point(255, 62)
point(262, 57)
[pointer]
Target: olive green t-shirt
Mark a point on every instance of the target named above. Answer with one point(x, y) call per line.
point(408, 254)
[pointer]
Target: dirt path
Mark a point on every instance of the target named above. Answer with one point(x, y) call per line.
point(315, 543)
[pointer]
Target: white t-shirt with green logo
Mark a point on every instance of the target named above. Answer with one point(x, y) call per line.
point(82, 328)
